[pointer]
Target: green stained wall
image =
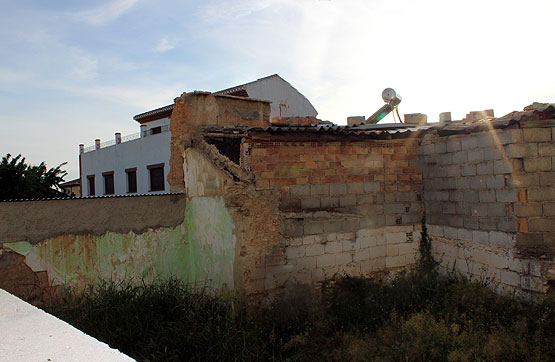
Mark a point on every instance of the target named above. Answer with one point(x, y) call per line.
point(199, 251)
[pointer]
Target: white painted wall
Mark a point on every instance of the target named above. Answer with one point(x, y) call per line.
point(280, 92)
point(159, 122)
point(138, 153)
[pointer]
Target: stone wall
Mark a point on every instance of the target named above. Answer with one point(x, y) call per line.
point(487, 194)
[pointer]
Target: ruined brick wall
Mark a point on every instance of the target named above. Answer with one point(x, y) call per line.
point(347, 205)
point(488, 194)
point(198, 109)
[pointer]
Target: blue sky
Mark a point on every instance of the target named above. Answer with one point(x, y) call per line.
point(73, 71)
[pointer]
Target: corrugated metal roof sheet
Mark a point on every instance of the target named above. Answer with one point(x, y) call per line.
point(93, 197)
point(319, 129)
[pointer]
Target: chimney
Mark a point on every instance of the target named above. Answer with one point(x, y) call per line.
point(81, 148)
point(97, 144)
point(417, 119)
point(143, 130)
point(445, 117)
point(355, 120)
point(118, 138)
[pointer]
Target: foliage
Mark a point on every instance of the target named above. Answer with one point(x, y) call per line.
point(21, 181)
point(420, 316)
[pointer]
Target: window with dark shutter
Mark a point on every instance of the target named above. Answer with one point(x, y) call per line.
point(108, 182)
point(131, 180)
point(90, 180)
point(156, 130)
point(156, 177)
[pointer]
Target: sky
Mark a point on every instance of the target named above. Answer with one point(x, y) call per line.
point(72, 71)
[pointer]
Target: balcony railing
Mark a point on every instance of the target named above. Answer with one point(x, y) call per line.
point(118, 139)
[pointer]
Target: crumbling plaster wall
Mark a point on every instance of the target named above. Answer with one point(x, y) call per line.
point(198, 109)
point(489, 201)
point(142, 249)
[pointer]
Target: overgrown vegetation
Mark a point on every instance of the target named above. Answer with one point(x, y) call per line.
point(420, 316)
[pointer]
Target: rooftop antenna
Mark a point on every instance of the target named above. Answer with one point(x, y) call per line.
point(392, 100)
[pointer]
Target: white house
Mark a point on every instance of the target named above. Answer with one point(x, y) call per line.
point(139, 163)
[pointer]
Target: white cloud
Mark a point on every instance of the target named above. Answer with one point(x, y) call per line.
point(13, 76)
point(106, 12)
point(165, 44)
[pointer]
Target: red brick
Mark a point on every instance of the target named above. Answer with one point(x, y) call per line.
point(258, 152)
point(283, 182)
point(302, 180)
point(263, 184)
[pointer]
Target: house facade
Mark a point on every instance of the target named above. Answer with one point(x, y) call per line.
point(139, 163)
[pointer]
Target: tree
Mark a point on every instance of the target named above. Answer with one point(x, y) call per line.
point(21, 181)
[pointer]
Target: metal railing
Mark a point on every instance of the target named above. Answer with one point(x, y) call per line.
point(131, 137)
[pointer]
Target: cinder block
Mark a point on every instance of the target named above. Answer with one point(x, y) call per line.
point(469, 142)
point(528, 210)
point(478, 182)
point(310, 203)
point(392, 250)
point(371, 265)
point(476, 155)
point(536, 135)
point(495, 182)
point(465, 234)
point(502, 167)
point(344, 258)
point(338, 189)
point(521, 150)
point(487, 223)
point(462, 183)
point(451, 232)
point(537, 164)
point(540, 194)
point(546, 149)
point(355, 188)
point(333, 225)
point(510, 278)
point(327, 202)
point(484, 168)
point(481, 237)
point(440, 147)
point(492, 153)
point(294, 252)
point(320, 189)
point(497, 209)
point(315, 249)
point(312, 239)
point(395, 261)
point(378, 251)
point(371, 186)
point(460, 157)
point(368, 241)
point(435, 230)
point(313, 227)
point(298, 191)
point(468, 170)
point(544, 224)
point(505, 195)
point(524, 180)
point(507, 136)
point(350, 245)
point(453, 144)
point(487, 196)
point(347, 200)
point(549, 209)
point(325, 260)
point(291, 228)
point(499, 238)
point(454, 170)
point(471, 222)
point(506, 224)
point(547, 178)
point(485, 139)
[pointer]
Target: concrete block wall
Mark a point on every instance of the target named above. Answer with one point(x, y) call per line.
point(487, 197)
point(347, 206)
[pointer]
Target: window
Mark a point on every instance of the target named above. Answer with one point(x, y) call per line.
point(90, 181)
point(156, 177)
point(131, 179)
point(156, 130)
point(108, 182)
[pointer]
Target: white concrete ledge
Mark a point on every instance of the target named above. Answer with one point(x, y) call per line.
point(29, 334)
